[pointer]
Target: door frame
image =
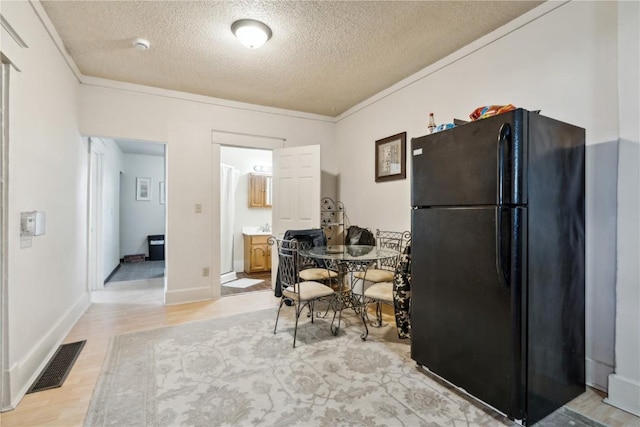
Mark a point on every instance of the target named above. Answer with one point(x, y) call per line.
point(221, 138)
point(98, 159)
point(95, 275)
point(5, 395)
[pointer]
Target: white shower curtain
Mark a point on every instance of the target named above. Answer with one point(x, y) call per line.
point(228, 184)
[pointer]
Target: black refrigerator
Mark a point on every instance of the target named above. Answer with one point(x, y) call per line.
point(498, 261)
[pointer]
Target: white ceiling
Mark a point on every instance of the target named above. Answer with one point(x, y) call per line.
point(324, 56)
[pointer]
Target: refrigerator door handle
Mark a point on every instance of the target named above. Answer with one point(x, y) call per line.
point(500, 268)
point(504, 142)
point(504, 138)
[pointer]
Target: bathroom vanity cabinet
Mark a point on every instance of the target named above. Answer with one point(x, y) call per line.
point(257, 253)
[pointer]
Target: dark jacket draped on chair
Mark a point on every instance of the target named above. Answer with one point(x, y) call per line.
point(313, 236)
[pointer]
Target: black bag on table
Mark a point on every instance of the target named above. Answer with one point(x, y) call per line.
point(359, 236)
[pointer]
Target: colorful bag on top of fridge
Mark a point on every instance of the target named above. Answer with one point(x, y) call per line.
point(489, 111)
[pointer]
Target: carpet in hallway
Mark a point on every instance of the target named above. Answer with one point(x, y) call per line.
point(138, 271)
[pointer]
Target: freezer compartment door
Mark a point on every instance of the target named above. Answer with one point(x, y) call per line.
point(467, 308)
point(479, 163)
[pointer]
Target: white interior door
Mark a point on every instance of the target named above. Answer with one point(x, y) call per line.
point(296, 188)
point(296, 192)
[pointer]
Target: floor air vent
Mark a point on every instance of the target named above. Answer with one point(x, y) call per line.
point(58, 368)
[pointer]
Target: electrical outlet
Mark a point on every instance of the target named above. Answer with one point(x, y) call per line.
point(205, 271)
point(198, 207)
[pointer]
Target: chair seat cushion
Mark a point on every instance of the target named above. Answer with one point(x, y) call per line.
point(375, 275)
point(382, 291)
point(312, 274)
point(308, 291)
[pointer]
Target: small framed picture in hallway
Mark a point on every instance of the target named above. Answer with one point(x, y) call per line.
point(143, 189)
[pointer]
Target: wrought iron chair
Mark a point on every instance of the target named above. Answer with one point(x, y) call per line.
point(310, 271)
point(298, 293)
point(396, 293)
point(384, 270)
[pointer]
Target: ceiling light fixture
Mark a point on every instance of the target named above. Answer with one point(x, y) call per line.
point(252, 34)
point(141, 44)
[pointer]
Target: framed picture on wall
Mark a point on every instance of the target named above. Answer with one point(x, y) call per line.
point(162, 193)
point(143, 189)
point(391, 158)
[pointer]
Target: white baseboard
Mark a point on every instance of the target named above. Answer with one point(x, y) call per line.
point(183, 296)
point(624, 393)
point(24, 372)
point(597, 374)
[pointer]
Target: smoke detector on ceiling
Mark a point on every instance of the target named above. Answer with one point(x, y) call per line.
point(141, 44)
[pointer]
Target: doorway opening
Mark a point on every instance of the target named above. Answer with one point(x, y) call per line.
point(127, 221)
point(245, 219)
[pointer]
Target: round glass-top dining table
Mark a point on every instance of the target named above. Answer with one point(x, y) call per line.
point(350, 259)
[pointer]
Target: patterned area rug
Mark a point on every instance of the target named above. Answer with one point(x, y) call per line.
point(235, 372)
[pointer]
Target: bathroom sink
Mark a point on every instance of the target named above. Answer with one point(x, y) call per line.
point(255, 231)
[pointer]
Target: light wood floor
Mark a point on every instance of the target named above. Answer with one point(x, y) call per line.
point(117, 313)
point(123, 310)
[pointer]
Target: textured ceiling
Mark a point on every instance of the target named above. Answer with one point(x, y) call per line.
point(324, 56)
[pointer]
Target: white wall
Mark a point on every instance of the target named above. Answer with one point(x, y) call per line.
point(185, 123)
point(48, 163)
point(244, 160)
point(140, 218)
point(624, 385)
point(568, 72)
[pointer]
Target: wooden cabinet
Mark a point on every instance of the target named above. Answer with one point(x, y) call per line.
point(257, 253)
point(259, 191)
